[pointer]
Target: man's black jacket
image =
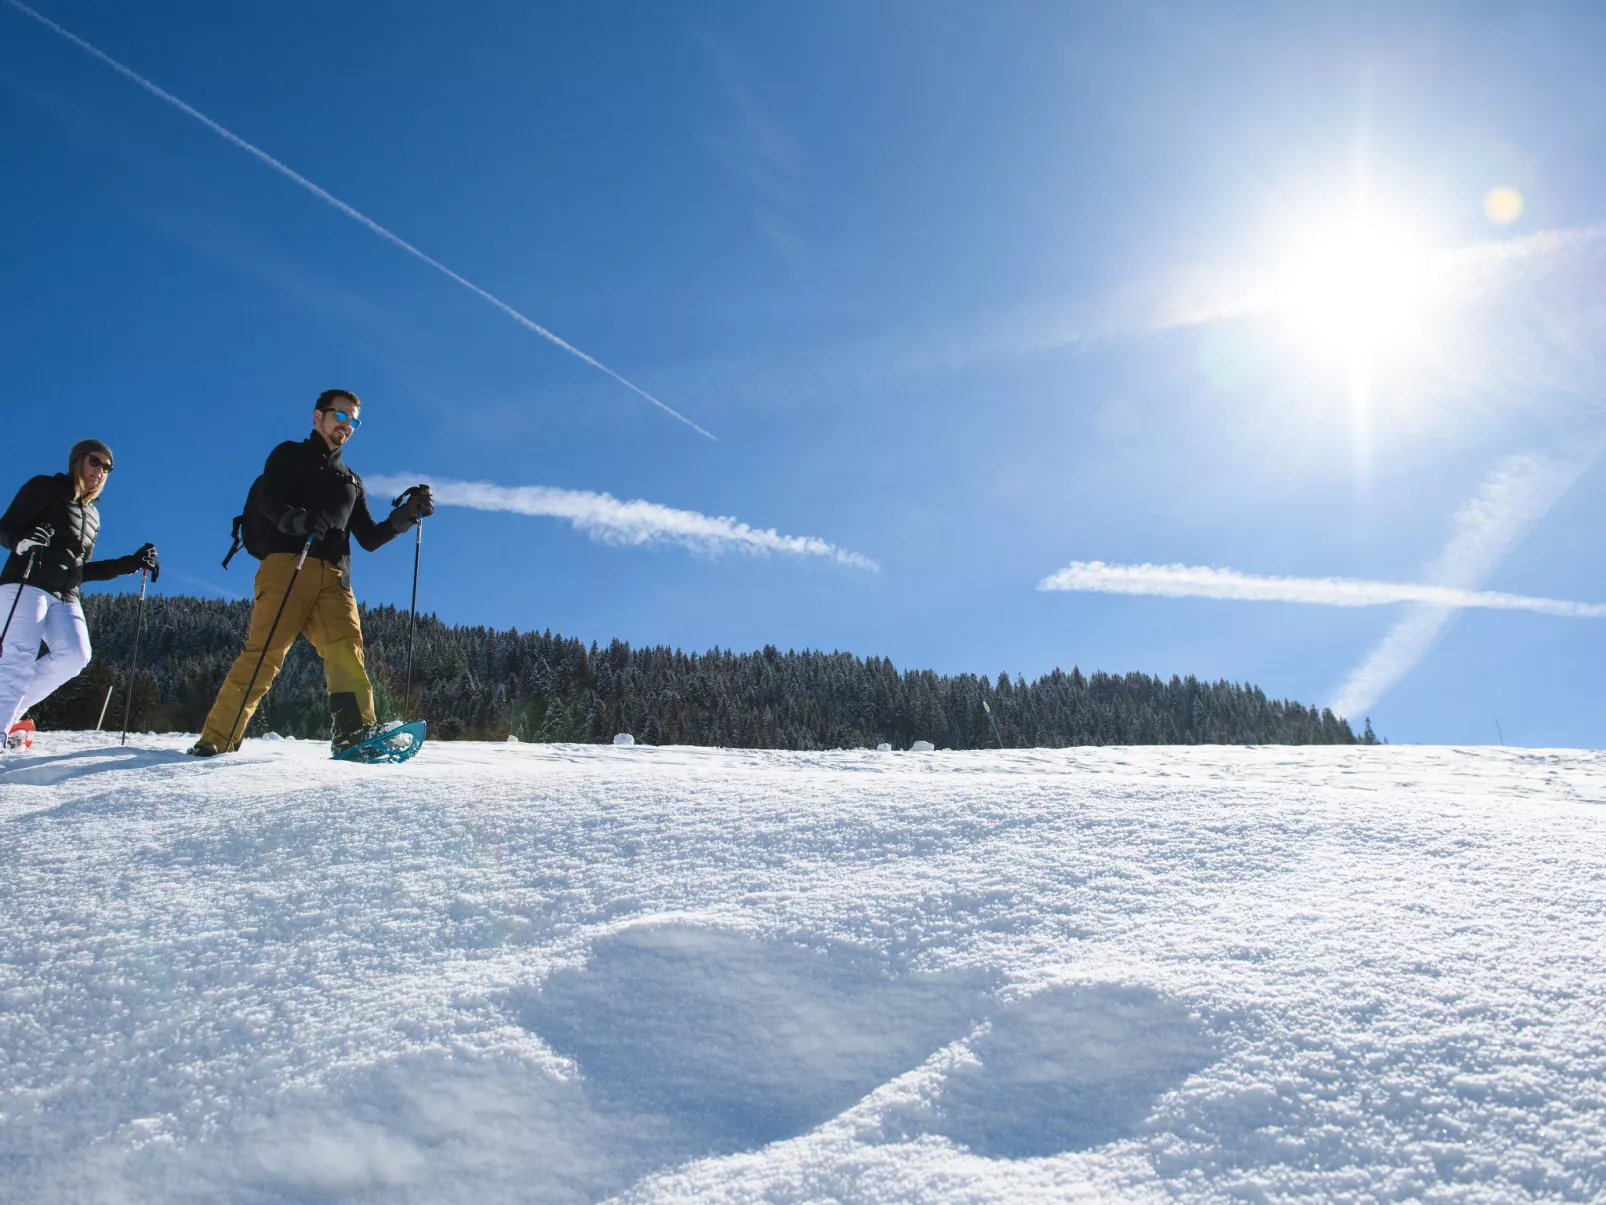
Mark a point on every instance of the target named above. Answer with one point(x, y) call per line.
point(64, 563)
point(311, 476)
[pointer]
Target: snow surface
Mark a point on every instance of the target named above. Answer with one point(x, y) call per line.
point(565, 973)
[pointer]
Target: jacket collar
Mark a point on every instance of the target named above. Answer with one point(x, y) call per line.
point(323, 451)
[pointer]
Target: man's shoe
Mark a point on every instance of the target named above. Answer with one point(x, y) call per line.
point(202, 749)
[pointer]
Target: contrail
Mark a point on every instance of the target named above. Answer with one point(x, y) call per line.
point(1200, 581)
point(632, 522)
point(355, 215)
point(1520, 492)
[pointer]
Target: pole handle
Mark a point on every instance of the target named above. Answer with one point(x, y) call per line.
point(404, 495)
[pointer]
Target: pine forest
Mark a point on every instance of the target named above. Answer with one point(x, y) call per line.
point(476, 683)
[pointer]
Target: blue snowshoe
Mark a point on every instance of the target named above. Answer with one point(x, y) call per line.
point(388, 743)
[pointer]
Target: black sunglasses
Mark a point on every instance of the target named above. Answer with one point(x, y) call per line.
point(104, 465)
point(345, 416)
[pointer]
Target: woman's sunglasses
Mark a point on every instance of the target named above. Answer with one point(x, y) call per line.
point(104, 466)
point(344, 416)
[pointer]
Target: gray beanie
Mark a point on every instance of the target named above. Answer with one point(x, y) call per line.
point(83, 448)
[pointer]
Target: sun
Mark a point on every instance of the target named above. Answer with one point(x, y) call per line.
point(1357, 290)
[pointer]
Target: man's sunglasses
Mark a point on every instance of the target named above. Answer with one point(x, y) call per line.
point(345, 416)
point(104, 466)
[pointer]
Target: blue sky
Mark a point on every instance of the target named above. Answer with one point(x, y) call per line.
point(974, 292)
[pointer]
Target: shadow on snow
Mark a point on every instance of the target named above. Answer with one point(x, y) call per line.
point(735, 1042)
point(720, 1042)
point(1068, 1069)
point(33, 771)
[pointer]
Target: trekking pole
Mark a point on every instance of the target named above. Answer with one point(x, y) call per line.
point(139, 626)
point(268, 643)
point(992, 721)
point(26, 571)
point(412, 612)
point(104, 706)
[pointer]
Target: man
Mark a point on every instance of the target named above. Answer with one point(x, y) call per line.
point(307, 493)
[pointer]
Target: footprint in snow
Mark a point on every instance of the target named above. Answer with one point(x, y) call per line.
point(1068, 1069)
point(719, 1042)
point(736, 1042)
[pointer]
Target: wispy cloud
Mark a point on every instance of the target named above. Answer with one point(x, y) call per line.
point(355, 215)
point(1201, 581)
point(212, 587)
point(632, 522)
point(1556, 350)
point(758, 151)
point(1461, 274)
point(1512, 499)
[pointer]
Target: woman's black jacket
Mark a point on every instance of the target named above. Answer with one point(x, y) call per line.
point(64, 563)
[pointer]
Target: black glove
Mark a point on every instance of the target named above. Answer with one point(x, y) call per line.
point(145, 558)
point(38, 537)
point(417, 503)
point(296, 522)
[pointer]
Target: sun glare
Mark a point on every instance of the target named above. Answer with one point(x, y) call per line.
point(1358, 291)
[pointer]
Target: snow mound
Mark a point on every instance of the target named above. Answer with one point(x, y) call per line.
point(623, 738)
point(520, 972)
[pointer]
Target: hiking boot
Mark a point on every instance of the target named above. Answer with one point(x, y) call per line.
point(343, 741)
point(202, 749)
point(346, 726)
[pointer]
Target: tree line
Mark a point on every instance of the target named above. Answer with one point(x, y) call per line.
point(482, 684)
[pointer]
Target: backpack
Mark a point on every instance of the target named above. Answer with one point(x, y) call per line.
point(252, 531)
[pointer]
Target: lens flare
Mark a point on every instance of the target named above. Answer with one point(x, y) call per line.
point(1503, 205)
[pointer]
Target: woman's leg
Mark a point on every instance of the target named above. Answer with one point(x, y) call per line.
point(21, 647)
point(67, 636)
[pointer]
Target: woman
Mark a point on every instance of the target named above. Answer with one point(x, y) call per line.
point(50, 531)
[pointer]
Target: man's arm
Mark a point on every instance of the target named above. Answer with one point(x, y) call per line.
point(373, 535)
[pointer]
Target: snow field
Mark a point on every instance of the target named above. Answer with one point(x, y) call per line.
point(570, 973)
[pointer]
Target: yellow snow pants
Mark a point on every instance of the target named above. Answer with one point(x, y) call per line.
point(322, 607)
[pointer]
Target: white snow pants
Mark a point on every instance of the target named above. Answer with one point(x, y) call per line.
point(25, 677)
